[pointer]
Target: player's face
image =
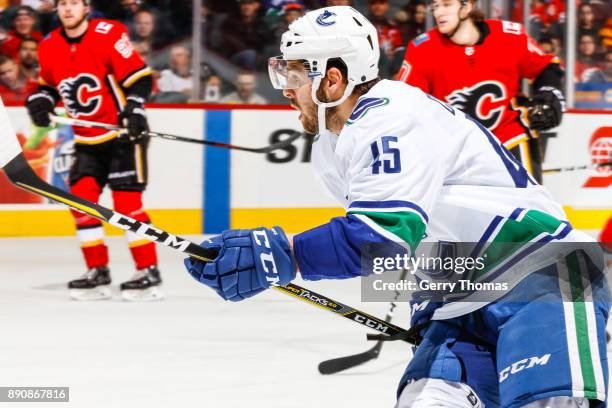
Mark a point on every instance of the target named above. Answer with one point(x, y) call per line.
point(72, 13)
point(301, 99)
point(292, 77)
point(446, 13)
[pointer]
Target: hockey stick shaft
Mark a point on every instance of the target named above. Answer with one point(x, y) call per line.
point(574, 168)
point(21, 174)
point(86, 123)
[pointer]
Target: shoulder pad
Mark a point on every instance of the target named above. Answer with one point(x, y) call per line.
point(421, 39)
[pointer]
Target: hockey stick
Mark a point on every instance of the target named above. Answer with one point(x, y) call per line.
point(573, 168)
point(336, 365)
point(85, 123)
point(21, 174)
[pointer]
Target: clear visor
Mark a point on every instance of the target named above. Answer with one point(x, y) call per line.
point(288, 74)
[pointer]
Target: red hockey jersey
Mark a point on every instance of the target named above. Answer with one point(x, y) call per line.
point(481, 80)
point(89, 74)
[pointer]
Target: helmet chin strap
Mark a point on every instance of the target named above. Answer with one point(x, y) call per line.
point(323, 105)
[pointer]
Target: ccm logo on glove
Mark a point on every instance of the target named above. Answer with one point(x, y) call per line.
point(266, 258)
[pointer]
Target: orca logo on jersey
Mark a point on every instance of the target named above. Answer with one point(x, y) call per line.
point(484, 101)
point(79, 95)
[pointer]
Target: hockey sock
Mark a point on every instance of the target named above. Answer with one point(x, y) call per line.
point(89, 229)
point(130, 204)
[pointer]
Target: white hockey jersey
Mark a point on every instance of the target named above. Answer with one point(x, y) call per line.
point(405, 154)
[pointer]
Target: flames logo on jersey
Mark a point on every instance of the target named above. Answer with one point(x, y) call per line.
point(484, 101)
point(79, 95)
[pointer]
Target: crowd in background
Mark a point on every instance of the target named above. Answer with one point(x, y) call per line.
point(238, 36)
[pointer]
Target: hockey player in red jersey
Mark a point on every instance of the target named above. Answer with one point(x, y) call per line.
point(477, 65)
point(92, 67)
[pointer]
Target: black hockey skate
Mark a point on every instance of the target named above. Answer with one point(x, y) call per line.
point(93, 285)
point(144, 285)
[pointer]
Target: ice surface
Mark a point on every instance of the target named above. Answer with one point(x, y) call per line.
point(192, 349)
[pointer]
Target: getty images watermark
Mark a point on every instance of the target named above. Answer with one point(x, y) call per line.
point(472, 272)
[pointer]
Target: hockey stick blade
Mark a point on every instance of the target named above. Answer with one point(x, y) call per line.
point(85, 123)
point(336, 365)
point(412, 336)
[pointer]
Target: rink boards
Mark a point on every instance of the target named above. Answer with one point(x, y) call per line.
point(196, 189)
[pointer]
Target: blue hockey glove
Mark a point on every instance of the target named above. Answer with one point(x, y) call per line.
point(249, 262)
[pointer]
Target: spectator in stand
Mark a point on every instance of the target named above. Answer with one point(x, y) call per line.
point(291, 12)
point(586, 60)
point(587, 23)
point(551, 45)
point(603, 75)
point(176, 83)
point(45, 10)
point(548, 15)
point(410, 20)
point(245, 35)
point(389, 38)
point(144, 50)
point(14, 86)
point(28, 59)
point(277, 7)
point(245, 84)
point(23, 27)
point(212, 89)
point(143, 30)
point(129, 10)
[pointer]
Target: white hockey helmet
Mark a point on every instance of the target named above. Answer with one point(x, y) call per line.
point(319, 36)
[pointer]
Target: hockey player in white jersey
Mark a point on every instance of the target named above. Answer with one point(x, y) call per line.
point(405, 165)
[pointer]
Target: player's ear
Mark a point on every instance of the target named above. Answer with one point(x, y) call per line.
point(334, 82)
point(467, 8)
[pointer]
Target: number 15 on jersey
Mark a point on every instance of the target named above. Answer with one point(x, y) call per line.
point(389, 159)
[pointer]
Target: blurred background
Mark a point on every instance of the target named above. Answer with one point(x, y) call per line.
point(215, 51)
point(211, 81)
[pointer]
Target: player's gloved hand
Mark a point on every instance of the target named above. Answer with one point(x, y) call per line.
point(249, 262)
point(134, 118)
point(40, 105)
point(546, 108)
